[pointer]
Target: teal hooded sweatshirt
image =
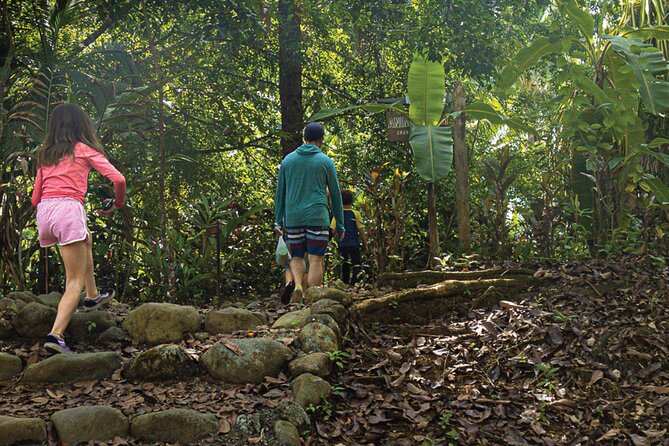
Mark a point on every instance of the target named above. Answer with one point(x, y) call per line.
point(301, 198)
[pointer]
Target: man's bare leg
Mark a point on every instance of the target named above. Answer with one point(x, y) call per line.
point(315, 270)
point(297, 267)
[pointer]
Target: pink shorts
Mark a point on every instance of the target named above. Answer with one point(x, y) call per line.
point(61, 221)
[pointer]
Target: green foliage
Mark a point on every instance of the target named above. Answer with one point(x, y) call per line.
point(338, 357)
point(433, 151)
point(426, 91)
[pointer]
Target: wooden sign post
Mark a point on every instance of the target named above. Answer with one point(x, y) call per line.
point(398, 127)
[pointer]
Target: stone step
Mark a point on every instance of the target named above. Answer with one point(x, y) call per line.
point(65, 367)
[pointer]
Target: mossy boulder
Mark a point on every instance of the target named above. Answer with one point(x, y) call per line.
point(332, 308)
point(6, 329)
point(51, 299)
point(316, 337)
point(317, 363)
point(309, 389)
point(89, 423)
point(293, 319)
point(255, 358)
point(163, 362)
point(158, 323)
point(294, 413)
point(316, 293)
point(24, 296)
point(174, 426)
point(66, 367)
point(34, 320)
point(90, 324)
point(231, 319)
point(22, 430)
point(10, 366)
point(286, 433)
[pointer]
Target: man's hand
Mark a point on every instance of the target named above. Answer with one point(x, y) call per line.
point(278, 230)
point(341, 235)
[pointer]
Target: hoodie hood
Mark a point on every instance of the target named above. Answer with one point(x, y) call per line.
point(308, 149)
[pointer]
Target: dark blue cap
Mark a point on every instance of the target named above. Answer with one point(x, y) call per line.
point(314, 131)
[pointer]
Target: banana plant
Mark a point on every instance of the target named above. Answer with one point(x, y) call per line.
point(607, 82)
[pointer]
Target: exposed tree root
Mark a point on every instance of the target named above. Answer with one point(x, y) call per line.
point(418, 305)
point(415, 278)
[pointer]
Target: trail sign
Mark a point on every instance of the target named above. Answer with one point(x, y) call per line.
point(398, 126)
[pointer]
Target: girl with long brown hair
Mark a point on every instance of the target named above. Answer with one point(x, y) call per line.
point(67, 154)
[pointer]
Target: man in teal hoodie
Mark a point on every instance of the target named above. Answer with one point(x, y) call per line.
point(301, 206)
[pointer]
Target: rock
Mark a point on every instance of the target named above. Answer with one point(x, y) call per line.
point(34, 320)
point(316, 337)
point(163, 362)
point(250, 424)
point(328, 320)
point(316, 293)
point(293, 319)
point(201, 335)
point(51, 300)
point(309, 389)
point(6, 329)
point(286, 433)
point(174, 425)
point(90, 324)
point(332, 308)
point(10, 366)
point(112, 334)
point(15, 430)
point(294, 413)
point(264, 318)
point(89, 423)
point(158, 323)
point(261, 357)
point(317, 363)
point(24, 296)
point(230, 319)
point(10, 306)
point(67, 367)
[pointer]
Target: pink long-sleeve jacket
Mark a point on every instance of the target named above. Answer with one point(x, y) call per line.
point(69, 178)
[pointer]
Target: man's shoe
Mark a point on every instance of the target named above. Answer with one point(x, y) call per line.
point(287, 293)
point(97, 302)
point(56, 344)
point(298, 295)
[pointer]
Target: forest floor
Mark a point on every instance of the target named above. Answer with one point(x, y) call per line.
point(581, 359)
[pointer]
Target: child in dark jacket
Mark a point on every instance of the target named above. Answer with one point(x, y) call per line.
point(354, 238)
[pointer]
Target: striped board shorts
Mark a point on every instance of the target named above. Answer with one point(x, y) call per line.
point(310, 239)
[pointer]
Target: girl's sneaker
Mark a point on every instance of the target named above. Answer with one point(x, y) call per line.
point(56, 344)
point(105, 296)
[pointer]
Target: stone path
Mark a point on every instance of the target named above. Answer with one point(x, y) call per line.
point(168, 372)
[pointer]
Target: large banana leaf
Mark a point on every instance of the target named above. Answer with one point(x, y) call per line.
point(529, 56)
point(581, 18)
point(646, 61)
point(432, 149)
point(649, 32)
point(371, 108)
point(426, 91)
point(481, 110)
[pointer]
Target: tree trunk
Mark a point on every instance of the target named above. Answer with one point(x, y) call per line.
point(461, 170)
point(432, 228)
point(162, 173)
point(7, 65)
point(290, 76)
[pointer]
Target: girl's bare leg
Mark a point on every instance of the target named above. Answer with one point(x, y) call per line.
point(89, 277)
point(74, 258)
